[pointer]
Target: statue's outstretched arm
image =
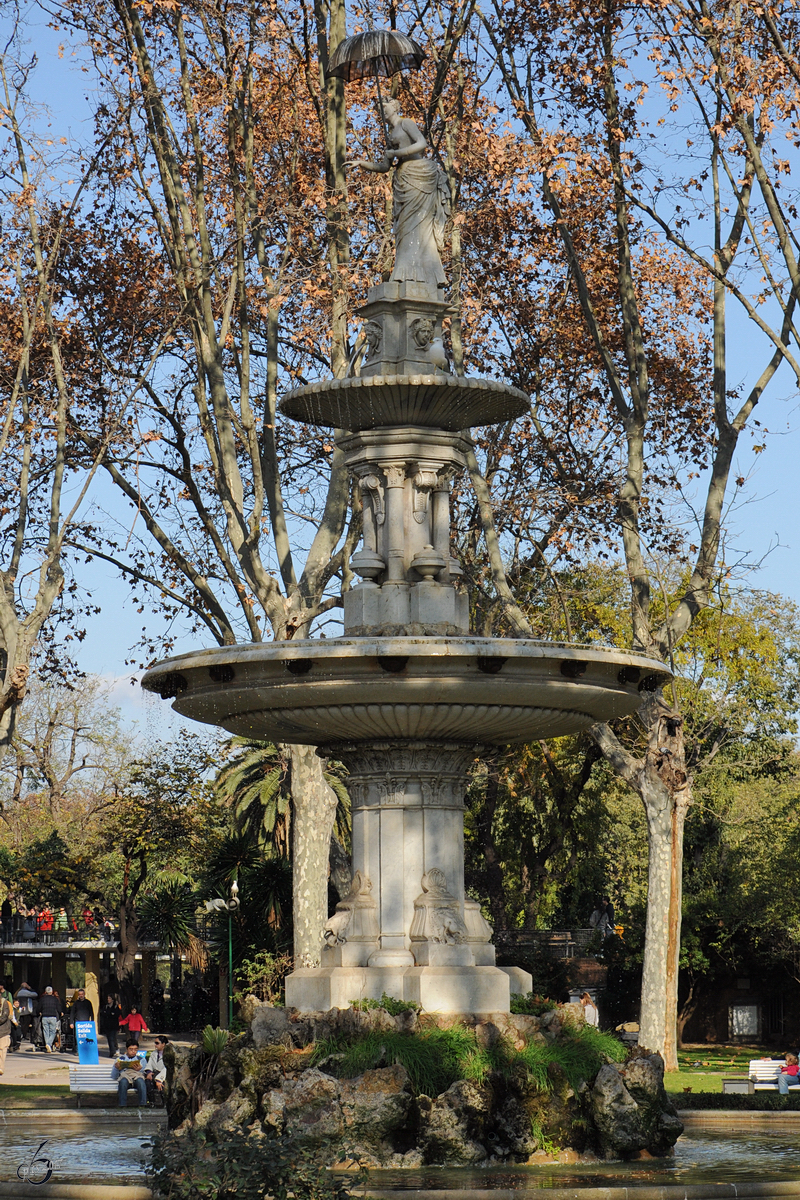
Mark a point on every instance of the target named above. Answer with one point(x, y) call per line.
point(383, 166)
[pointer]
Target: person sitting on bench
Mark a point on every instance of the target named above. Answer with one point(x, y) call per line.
point(128, 1070)
point(788, 1074)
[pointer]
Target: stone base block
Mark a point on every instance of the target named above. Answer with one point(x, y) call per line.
point(435, 954)
point(352, 953)
point(432, 603)
point(435, 989)
point(521, 982)
point(362, 605)
point(316, 989)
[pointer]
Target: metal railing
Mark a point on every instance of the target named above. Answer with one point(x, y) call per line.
point(550, 943)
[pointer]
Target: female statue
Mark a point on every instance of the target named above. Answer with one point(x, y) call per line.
point(420, 203)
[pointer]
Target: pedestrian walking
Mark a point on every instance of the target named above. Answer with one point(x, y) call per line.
point(51, 1011)
point(27, 1006)
point(110, 1015)
point(81, 1010)
point(5, 1032)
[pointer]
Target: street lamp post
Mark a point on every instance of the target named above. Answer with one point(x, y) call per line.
point(229, 906)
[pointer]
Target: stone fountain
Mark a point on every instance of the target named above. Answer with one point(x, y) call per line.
point(407, 699)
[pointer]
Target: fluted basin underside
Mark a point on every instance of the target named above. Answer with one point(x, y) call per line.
point(451, 402)
point(365, 689)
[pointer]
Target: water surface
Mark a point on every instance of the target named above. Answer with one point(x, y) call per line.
point(104, 1150)
point(701, 1156)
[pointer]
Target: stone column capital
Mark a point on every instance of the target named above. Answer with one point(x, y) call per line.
point(395, 474)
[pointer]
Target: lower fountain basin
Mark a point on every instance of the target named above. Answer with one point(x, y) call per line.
point(489, 690)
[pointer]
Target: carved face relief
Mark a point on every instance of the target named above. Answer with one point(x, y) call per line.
point(374, 335)
point(334, 932)
point(422, 331)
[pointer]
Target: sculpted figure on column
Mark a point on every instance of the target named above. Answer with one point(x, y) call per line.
point(421, 202)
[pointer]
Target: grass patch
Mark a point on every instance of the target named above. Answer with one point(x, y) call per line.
point(702, 1068)
point(17, 1095)
point(436, 1058)
point(732, 1060)
point(580, 1054)
point(676, 1082)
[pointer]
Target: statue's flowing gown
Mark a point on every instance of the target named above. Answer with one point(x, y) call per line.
point(420, 205)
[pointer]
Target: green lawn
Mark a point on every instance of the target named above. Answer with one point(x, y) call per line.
point(702, 1068)
point(45, 1096)
point(697, 1081)
point(728, 1059)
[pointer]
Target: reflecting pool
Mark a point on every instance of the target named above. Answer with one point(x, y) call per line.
point(28, 1153)
point(701, 1156)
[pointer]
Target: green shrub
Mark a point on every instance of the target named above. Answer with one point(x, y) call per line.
point(758, 1102)
point(241, 1167)
point(531, 1005)
point(436, 1058)
point(214, 1040)
point(263, 976)
point(388, 1003)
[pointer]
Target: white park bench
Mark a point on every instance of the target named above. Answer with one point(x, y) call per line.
point(764, 1073)
point(92, 1081)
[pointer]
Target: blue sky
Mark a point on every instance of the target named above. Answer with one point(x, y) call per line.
point(764, 524)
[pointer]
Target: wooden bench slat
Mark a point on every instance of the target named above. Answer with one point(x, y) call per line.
point(765, 1072)
point(92, 1079)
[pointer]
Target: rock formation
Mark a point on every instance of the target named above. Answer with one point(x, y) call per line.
point(272, 1080)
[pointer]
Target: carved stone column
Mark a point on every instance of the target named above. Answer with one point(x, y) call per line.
point(408, 820)
point(395, 474)
point(410, 584)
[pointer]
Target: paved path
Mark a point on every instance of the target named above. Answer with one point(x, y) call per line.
point(32, 1067)
point(36, 1068)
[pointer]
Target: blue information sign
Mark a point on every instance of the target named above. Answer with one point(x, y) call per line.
point(86, 1037)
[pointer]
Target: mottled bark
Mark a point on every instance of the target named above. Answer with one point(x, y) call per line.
point(314, 813)
point(662, 782)
point(658, 809)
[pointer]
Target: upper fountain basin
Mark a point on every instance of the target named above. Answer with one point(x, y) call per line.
point(470, 689)
point(451, 402)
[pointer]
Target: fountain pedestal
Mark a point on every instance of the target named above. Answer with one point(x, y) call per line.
point(427, 944)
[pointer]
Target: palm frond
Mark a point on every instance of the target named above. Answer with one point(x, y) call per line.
point(255, 784)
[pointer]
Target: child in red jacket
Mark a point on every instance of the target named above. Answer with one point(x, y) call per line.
point(135, 1022)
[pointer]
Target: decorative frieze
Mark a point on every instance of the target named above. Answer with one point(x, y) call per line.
point(381, 773)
